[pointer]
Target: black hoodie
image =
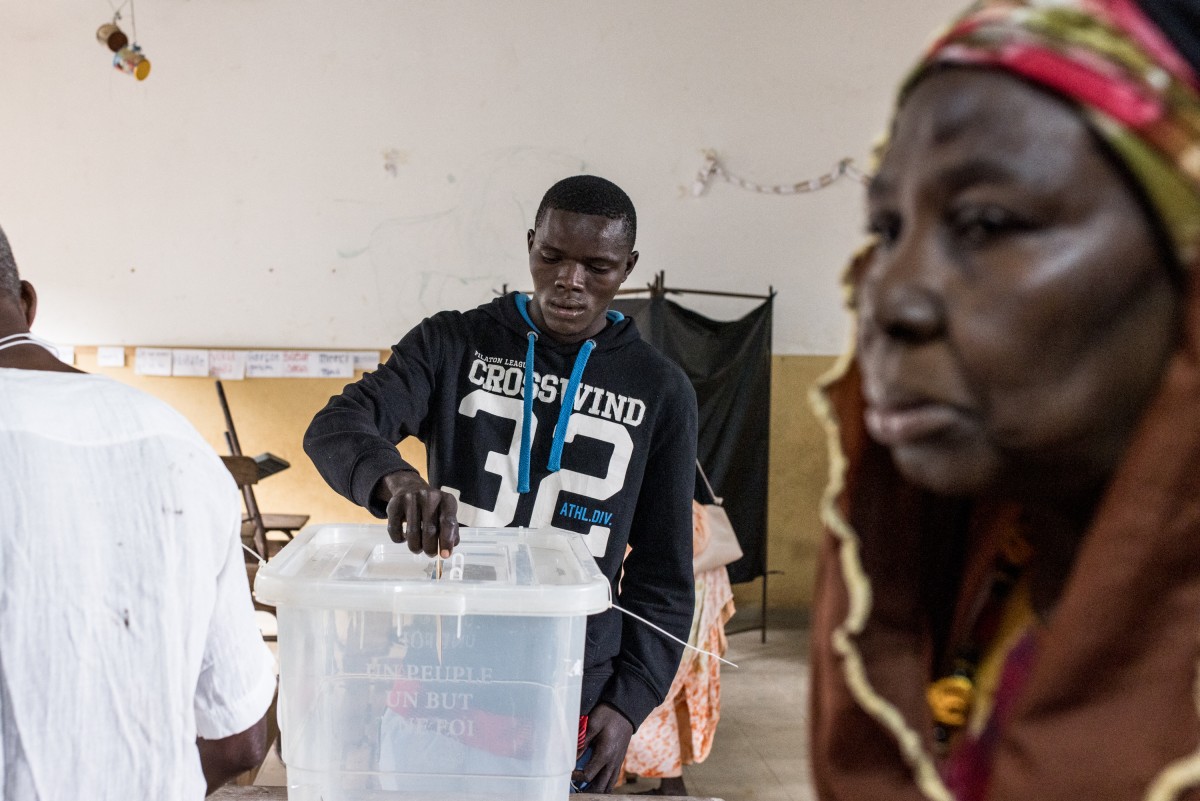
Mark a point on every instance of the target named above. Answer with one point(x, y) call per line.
point(457, 382)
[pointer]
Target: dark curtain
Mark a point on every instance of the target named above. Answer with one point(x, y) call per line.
point(729, 364)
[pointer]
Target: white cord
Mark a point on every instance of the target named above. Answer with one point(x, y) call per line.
point(254, 553)
point(672, 636)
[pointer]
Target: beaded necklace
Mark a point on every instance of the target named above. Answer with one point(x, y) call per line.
point(952, 697)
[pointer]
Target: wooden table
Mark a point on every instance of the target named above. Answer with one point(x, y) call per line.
point(280, 794)
point(272, 775)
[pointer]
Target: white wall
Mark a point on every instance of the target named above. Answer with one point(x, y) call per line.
point(240, 196)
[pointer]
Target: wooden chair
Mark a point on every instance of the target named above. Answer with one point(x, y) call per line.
point(245, 475)
point(245, 471)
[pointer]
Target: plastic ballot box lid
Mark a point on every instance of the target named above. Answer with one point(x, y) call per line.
point(493, 571)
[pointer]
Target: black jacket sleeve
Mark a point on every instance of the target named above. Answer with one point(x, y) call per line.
point(657, 583)
point(352, 441)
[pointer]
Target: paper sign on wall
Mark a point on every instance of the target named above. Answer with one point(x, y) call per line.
point(110, 357)
point(152, 361)
point(234, 365)
point(227, 365)
point(317, 364)
point(297, 363)
point(331, 365)
point(189, 362)
point(366, 359)
point(264, 364)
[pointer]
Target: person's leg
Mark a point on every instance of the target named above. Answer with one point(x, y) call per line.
point(669, 785)
point(672, 785)
point(584, 754)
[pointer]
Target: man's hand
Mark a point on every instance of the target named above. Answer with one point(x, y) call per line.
point(223, 759)
point(418, 514)
point(608, 733)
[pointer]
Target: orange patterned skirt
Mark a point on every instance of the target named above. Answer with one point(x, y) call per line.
point(680, 731)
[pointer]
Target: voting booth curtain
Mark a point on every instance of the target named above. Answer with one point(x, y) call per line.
point(729, 365)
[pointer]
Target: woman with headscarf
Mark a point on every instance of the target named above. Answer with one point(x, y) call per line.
point(1008, 606)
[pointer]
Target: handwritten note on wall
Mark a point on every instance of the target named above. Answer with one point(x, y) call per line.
point(264, 364)
point(227, 365)
point(189, 362)
point(152, 361)
point(317, 364)
point(110, 356)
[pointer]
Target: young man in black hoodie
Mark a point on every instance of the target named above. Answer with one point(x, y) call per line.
point(485, 391)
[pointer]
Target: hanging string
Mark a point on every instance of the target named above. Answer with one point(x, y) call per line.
point(117, 9)
point(133, 21)
point(713, 168)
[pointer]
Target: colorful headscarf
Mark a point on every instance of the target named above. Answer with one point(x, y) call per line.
point(1139, 94)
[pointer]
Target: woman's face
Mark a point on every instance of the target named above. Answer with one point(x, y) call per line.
point(1017, 314)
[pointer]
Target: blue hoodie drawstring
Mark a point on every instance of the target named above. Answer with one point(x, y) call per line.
point(568, 397)
point(568, 406)
point(527, 423)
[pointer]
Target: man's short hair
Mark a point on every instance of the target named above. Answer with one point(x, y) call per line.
point(10, 280)
point(590, 194)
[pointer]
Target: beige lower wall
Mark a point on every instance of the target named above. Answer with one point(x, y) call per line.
point(798, 473)
point(271, 415)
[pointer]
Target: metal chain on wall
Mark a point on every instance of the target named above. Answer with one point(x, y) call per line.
point(713, 168)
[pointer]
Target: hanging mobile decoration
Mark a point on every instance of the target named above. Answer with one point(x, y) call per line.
point(127, 56)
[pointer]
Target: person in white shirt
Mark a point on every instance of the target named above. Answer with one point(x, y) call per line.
point(131, 666)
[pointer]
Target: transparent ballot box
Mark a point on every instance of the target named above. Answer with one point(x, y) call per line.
point(395, 683)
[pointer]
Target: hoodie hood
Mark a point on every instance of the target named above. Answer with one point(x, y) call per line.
point(616, 333)
point(508, 311)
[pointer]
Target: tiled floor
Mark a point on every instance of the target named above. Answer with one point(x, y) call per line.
point(760, 751)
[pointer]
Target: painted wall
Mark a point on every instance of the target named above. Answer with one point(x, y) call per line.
point(297, 173)
point(301, 174)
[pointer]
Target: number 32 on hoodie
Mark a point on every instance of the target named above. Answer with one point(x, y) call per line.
point(504, 465)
